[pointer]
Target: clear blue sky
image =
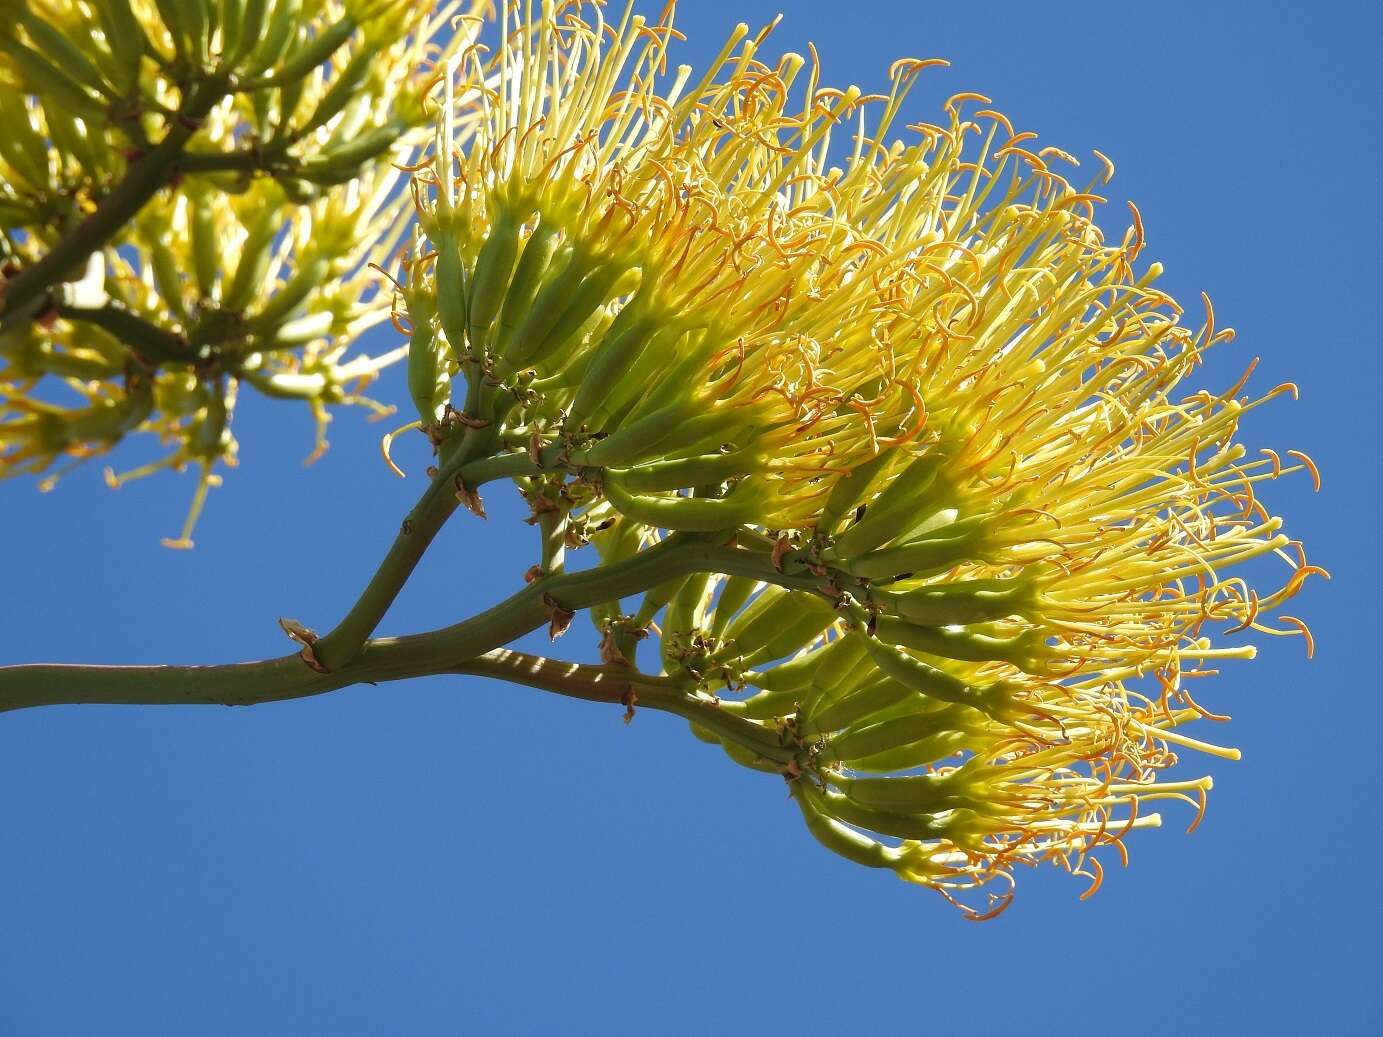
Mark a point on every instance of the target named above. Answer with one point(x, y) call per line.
point(454, 856)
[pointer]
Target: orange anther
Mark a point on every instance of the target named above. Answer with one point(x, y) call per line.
point(1200, 814)
point(1310, 467)
point(1305, 633)
point(1098, 880)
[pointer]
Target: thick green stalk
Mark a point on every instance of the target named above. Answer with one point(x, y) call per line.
point(619, 684)
point(287, 677)
point(390, 658)
point(449, 649)
point(552, 529)
point(419, 529)
point(236, 684)
point(424, 522)
point(245, 160)
point(534, 606)
point(149, 342)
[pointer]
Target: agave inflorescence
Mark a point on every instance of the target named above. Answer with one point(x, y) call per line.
point(921, 380)
point(951, 534)
point(224, 170)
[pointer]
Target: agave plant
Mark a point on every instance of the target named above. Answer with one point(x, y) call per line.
point(888, 444)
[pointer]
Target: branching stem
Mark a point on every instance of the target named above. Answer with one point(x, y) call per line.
point(149, 342)
point(381, 659)
point(437, 504)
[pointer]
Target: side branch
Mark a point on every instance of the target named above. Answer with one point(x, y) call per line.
point(623, 686)
point(437, 504)
point(149, 342)
point(382, 659)
point(440, 500)
point(471, 646)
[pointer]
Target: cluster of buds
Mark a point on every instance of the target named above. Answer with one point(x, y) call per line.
point(915, 378)
point(195, 198)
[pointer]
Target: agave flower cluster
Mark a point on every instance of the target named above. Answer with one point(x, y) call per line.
point(273, 125)
point(911, 371)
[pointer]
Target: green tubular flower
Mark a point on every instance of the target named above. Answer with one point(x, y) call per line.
point(922, 383)
point(255, 264)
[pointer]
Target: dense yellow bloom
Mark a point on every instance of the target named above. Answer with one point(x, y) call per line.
point(914, 372)
point(590, 212)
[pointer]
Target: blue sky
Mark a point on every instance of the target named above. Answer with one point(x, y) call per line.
point(455, 856)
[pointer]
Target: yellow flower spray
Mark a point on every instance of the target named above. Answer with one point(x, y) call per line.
point(247, 255)
point(921, 379)
point(869, 422)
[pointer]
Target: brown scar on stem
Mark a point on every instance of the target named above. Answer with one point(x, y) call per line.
point(305, 637)
point(560, 618)
point(470, 498)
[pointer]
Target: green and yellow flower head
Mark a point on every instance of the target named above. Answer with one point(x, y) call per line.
point(959, 533)
point(913, 372)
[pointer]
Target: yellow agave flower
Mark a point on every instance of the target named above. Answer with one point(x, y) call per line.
point(916, 375)
point(629, 263)
point(254, 265)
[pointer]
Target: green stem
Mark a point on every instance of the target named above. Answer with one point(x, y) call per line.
point(679, 554)
point(149, 342)
point(382, 659)
point(26, 292)
point(618, 684)
point(552, 529)
point(758, 566)
point(236, 684)
point(245, 160)
point(287, 678)
point(533, 607)
point(269, 157)
point(419, 529)
point(501, 466)
point(455, 648)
